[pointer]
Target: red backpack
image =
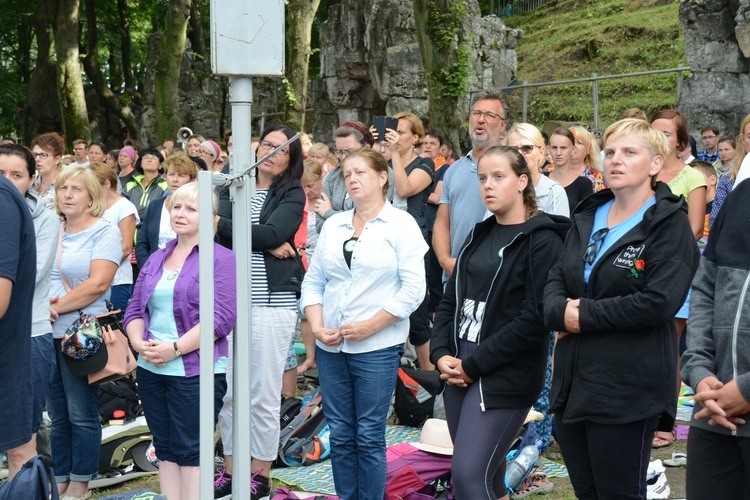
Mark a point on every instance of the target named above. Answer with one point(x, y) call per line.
point(413, 474)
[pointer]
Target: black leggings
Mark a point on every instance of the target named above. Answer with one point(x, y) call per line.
point(607, 461)
point(480, 439)
point(718, 465)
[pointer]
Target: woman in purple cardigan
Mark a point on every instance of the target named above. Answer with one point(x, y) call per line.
point(162, 322)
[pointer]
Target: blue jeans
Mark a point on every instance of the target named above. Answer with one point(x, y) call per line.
point(119, 296)
point(42, 371)
point(357, 390)
point(76, 438)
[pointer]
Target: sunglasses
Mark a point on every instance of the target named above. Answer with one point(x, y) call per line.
point(589, 255)
point(525, 149)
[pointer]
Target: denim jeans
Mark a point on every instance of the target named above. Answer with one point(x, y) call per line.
point(76, 438)
point(119, 296)
point(357, 390)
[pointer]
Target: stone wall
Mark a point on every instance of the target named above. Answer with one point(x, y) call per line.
point(371, 64)
point(717, 47)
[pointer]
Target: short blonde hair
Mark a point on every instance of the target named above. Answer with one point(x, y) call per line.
point(592, 158)
point(313, 171)
point(189, 192)
point(528, 132)
point(655, 140)
point(103, 173)
point(90, 182)
point(181, 163)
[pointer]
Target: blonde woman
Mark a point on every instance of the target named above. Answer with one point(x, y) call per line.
point(587, 157)
point(726, 182)
point(90, 249)
point(550, 195)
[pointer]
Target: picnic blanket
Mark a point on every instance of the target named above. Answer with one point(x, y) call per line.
point(319, 477)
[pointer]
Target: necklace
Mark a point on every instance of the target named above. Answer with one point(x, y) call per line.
point(173, 275)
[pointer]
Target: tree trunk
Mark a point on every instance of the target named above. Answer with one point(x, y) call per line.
point(41, 112)
point(446, 59)
point(167, 74)
point(94, 72)
point(197, 40)
point(69, 78)
point(127, 71)
point(300, 15)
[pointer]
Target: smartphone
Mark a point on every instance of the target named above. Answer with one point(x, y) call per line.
point(381, 123)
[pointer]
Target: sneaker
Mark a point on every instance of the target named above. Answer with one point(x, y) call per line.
point(657, 486)
point(223, 485)
point(260, 486)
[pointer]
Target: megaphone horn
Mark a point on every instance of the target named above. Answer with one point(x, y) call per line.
point(184, 134)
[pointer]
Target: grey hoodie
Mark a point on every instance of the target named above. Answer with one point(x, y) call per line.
point(719, 323)
point(47, 228)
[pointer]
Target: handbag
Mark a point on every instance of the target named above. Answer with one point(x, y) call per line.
point(96, 346)
point(121, 360)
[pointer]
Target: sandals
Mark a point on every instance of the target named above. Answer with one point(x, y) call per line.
point(535, 483)
point(678, 460)
point(663, 439)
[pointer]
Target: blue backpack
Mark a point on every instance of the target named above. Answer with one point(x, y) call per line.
point(35, 481)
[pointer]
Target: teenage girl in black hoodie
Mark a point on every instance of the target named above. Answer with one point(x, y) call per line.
point(489, 341)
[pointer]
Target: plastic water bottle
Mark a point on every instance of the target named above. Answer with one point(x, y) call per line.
point(517, 468)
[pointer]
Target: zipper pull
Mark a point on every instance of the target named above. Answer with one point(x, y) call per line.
point(481, 405)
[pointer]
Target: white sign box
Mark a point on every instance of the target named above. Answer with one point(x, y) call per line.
point(247, 37)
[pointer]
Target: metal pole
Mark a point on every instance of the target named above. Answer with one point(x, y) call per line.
point(241, 99)
point(262, 123)
point(679, 84)
point(595, 86)
point(525, 102)
point(206, 287)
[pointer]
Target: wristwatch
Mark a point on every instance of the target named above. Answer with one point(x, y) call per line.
point(177, 352)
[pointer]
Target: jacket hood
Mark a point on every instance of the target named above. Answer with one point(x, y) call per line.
point(34, 205)
point(667, 203)
point(557, 223)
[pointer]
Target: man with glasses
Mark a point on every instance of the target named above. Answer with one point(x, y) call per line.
point(710, 138)
point(460, 203)
point(80, 149)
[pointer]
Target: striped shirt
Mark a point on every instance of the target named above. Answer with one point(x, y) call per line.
point(261, 295)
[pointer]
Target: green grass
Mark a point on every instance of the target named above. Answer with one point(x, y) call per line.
point(570, 39)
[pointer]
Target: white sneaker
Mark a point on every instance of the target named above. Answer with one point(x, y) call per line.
point(657, 486)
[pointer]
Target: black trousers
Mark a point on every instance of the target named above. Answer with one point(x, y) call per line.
point(607, 461)
point(718, 465)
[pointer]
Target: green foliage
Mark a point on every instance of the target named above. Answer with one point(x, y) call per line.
point(571, 39)
point(290, 98)
point(445, 32)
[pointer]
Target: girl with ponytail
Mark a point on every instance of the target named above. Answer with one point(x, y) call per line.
point(489, 341)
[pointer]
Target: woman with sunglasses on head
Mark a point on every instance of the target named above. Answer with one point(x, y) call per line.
point(550, 195)
point(623, 274)
point(562, 145)
point(276, 214)
point(210, 152)
point(48, 150)
point(147, 184)
point(586, 157)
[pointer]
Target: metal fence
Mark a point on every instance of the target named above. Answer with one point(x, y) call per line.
point(508, 8)
point(594, 79)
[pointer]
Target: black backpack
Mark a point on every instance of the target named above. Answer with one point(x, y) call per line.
point(35, 481)
point(304, 440)
point(290, 408)
point(120, 394)
point(415, 395)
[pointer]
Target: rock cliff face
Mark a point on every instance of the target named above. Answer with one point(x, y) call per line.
point(717, 47)
point(371, 64)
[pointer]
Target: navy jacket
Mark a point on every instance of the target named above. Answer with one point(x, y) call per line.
point(147, 239)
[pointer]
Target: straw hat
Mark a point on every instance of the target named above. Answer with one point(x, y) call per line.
point(435, 437)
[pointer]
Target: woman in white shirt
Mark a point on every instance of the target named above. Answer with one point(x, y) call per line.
point(367, 278)
point(122, 213)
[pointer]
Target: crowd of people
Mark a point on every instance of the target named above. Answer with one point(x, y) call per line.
point(558, 272)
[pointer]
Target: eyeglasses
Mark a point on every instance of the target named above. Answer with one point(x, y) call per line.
point(342, 153)
point(525, 149)
point(43, 156)
point(489, 115)
point(203, 152)
point(589, 255)
point(273, 147)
